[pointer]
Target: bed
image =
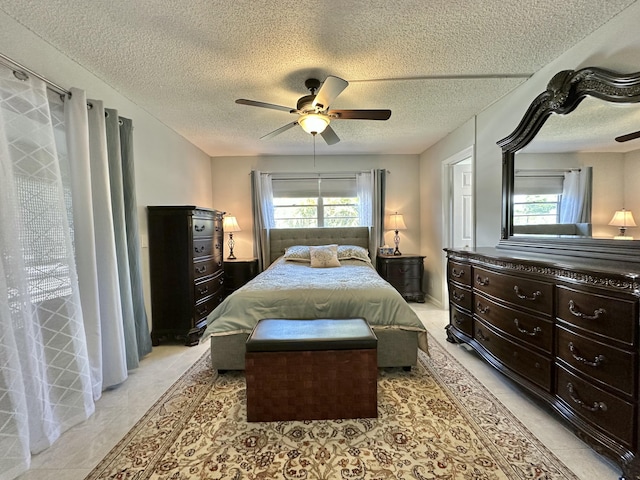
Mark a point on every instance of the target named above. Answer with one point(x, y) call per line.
point(292, 288)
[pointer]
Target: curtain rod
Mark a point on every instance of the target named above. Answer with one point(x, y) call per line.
point(22, 73)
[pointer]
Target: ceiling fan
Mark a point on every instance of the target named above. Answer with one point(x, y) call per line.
point(313, 110)
point(628, 136)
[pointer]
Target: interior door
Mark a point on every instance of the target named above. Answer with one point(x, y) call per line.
point(462, 205)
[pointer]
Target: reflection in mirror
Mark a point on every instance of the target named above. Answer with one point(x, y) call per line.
point(573, 176)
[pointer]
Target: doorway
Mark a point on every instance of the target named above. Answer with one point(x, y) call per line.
point(457, 206)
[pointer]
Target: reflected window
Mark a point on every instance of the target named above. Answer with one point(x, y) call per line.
point(540, 209)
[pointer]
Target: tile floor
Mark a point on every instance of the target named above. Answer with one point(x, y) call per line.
point(78, 450)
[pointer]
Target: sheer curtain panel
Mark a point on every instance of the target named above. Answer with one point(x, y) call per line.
point(45, 382)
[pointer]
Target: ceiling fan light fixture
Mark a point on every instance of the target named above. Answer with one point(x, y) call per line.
point(314, 123)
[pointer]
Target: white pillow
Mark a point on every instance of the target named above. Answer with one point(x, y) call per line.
point(353, 252)
point(297, 253)
point(324, 256)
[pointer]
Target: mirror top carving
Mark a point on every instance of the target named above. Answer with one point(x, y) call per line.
point(608, 112)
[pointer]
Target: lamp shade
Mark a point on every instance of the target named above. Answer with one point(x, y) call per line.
point(230, 224)
point(623, 218)
point(314, 122)
point(396, 222)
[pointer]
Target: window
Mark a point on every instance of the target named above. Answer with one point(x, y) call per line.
point(536, 209)
point(537, 197)
point(318, 201)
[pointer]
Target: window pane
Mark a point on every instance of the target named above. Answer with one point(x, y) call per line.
point(295, 212)
point(535, 209)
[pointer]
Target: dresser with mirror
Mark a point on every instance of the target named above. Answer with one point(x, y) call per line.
point(555, 305)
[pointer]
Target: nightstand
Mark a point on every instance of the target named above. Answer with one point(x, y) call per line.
point(238, 272)
point(405, 273)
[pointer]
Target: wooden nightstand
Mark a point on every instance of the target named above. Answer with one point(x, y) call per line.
point(238, 272)
point(405, 273)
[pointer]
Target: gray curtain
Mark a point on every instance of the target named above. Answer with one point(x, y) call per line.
point(575, 206)
point(143, 337)
point(134, 318)
point(262, 208)
point(377, 229)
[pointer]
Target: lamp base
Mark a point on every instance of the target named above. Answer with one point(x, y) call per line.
point(396, 240)
point(231, 244)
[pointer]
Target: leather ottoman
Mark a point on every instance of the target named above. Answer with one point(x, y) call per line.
point(311, 370)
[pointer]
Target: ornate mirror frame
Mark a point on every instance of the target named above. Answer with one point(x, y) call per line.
point(564, 93)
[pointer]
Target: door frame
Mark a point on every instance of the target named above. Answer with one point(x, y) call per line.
point(447, 205)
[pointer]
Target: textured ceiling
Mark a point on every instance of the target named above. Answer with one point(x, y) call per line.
point(185, 62)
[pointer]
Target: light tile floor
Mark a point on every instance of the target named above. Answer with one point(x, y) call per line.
point(78, 450)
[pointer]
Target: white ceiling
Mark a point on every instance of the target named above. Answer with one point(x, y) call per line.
point(185, 62)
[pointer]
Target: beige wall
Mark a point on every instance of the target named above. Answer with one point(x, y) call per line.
point(232, 188)
point(168, 169)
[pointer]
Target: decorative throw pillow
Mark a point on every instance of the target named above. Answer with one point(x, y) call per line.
point(324, 256)
point(297, 253)
point(353, 252)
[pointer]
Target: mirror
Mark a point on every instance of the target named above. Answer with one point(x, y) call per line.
point(564, 175)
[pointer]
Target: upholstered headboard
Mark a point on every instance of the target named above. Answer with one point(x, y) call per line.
point(281, 238)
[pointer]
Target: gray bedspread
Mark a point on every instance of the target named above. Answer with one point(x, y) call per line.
point(296, 290)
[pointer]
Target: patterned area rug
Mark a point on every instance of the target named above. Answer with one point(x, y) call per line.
point(435, 422)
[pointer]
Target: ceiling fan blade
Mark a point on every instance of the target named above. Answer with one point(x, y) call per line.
point(628, 136)
point(253, 103)
point(279, 131)
point(330, 136)
point(360, 114)
point(330, 89)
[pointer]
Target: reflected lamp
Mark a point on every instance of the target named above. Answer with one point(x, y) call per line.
point(623, 219)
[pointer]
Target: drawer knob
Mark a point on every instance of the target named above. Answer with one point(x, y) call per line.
point(199, 228)
point(533, 333)
point(599, 360)
point(482, 281)
point(456, 320)
point(523, 296)
point(458, 297)
point(199, 249)
point(579, 314)
point(481, 336)
point(203, 290)
point(201, 269)
point(457, 273)
point(482, 309)
point(592, 408)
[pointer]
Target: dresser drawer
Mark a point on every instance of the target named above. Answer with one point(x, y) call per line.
point(208, 287)
point(462, 321)
point(399, 269)
point(201, 310)
point(460, 296)
point(604, 363)
point(204, 227)
point(530, 365)
point(533, 330)
point(202, 248)
point(531, 294)
point(609, 317)
point(205, 268)
point(605, 411)
point(459, 272)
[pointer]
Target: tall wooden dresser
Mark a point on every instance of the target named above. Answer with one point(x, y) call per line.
point(185, 255)
point(566, 329)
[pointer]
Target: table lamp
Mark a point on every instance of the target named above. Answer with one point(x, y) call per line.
point(623, 219)
point(230, 225)
point(396, 222)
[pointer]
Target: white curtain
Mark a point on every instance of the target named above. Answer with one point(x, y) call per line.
point(45, 380)
point(575, 206)
point(73, 322)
